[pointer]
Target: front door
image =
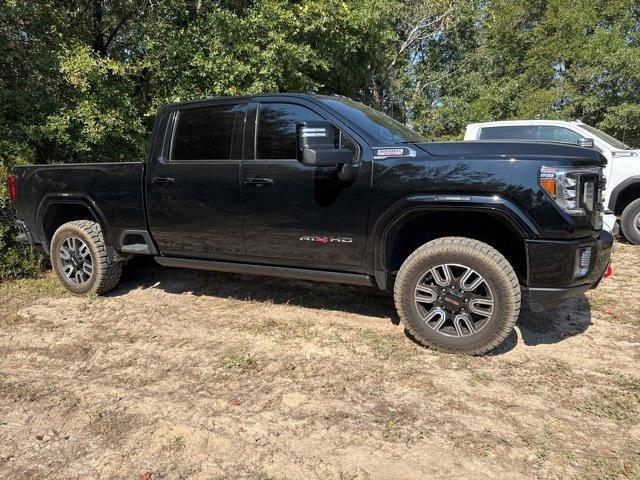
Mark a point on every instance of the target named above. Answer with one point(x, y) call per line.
point(193, 195)
point(299, 215)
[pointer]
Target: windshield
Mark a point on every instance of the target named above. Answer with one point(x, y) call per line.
point(383, 128)
point(607, 138)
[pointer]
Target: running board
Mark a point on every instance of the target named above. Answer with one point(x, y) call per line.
point(254, 269)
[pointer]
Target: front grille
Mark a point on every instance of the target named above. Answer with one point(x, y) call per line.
point(591, 197)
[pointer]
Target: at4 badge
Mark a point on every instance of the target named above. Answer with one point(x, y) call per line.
point(323, 240)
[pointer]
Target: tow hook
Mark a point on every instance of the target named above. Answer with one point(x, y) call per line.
point(608, 271)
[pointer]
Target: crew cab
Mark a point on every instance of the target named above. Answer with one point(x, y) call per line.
point(622, 191)
point(324, 188)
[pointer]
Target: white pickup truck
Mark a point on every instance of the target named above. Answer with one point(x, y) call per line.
point(622, 194)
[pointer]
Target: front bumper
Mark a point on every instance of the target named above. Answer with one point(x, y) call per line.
point(541, 299)
point(551, 267)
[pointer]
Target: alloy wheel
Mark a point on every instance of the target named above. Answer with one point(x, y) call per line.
point(454, 300)
point(76, 260)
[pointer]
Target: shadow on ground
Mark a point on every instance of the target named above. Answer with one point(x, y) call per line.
point(552, 326)
point(549, 327)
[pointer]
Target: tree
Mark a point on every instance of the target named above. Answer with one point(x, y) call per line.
point(538, 59)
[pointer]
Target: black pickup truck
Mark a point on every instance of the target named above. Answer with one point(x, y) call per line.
point(324, 188)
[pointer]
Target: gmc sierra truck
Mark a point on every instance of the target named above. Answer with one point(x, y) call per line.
point(324, 188)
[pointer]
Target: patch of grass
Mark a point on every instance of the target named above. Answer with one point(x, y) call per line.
point(612, 467)
point(629, 383)
point(480, 377)
point(391, 431)
point(384, 347)
point(112, 424)
point(30, 288)
point(618, 405)
point(16, 294)
point(285, 328)
point(454, 362)
point(400, 422)
point(175, 444)
point(543, 452)
point(239, 359)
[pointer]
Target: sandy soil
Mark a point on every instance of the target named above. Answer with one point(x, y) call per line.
point(181, 374)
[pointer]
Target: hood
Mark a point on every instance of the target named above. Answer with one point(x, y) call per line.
point(506, 148)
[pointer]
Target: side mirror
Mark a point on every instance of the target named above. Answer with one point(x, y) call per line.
point(326, 158)
point(317, 146)
point(586, 143)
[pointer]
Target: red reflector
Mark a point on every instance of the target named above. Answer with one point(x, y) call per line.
point(13, 191)
point(608, 272)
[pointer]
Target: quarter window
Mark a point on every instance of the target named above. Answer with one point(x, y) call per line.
point(205, 133)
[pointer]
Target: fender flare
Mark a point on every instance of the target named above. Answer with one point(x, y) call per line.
point(615, 193)
point(82, 199)
point(418, 204)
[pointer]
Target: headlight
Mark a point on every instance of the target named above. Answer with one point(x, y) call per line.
point(573, 188)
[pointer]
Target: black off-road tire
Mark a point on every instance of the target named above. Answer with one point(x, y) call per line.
point(480, 257)
point(106, 273)
point(629, 222)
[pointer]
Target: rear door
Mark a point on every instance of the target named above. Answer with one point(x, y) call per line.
point(193, 195)
point(295, 214)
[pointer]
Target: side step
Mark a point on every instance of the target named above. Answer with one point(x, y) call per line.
point(254, 269)
point(137, 242)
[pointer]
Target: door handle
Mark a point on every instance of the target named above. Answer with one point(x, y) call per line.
point(162, 180)
point(258, 181)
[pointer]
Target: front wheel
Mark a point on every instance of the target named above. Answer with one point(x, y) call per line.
point(80, 260)
point(630, 222)
point(458, 295)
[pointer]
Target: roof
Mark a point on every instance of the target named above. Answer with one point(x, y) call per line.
point(524, 122)
point(240, 97)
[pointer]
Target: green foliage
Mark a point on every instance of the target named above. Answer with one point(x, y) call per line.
point(538, 59)
point(16, 260)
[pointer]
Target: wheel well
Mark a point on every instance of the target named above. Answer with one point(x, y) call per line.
point(626, 196)
point(405, 238)
point(61, 213)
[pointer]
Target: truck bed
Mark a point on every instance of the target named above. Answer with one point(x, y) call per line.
point(114, 191)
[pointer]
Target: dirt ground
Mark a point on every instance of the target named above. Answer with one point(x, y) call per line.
point(194, 375)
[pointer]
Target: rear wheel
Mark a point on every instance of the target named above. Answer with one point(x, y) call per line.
point(458, 295)
point(630, 222)
point(80, 260)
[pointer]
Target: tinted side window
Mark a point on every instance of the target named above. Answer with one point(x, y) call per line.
point(559, 134)
point(509, 133)
point(205, 133)
point(542, 133)
point(345, 142)
point(277, 129)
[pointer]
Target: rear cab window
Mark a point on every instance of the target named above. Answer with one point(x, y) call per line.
point(208, 133)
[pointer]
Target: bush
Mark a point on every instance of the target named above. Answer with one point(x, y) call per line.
point(16, 259)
